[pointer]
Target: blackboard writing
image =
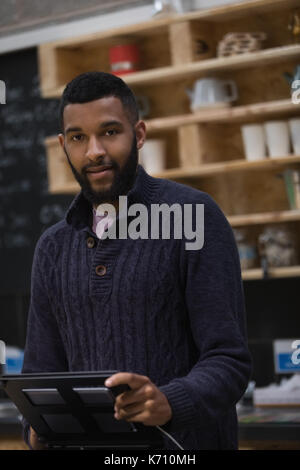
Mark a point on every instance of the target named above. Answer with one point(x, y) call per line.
point(26, 207)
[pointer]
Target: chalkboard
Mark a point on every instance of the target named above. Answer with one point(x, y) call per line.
point(26, 207)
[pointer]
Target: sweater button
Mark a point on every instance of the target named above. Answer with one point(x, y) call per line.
point(100, 270)
point(90, 242)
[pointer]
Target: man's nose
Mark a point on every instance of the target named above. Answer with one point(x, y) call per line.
point(95, 148)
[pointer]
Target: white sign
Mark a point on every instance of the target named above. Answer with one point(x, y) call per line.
point(286, 355)
point(2, 92)
point(2, 352)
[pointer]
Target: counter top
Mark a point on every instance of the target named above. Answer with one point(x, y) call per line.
point(280, 424)
point(255, 423)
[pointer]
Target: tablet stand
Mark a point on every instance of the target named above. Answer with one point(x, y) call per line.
point(75, 410)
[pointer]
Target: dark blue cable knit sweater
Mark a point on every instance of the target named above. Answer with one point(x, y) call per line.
point(175, 315)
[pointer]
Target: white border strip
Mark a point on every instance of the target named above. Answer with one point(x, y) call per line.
point(2, 352)
point(95, 24)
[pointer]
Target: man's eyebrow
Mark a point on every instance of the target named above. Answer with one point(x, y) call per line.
point(73, 129)
point(111, 123)
point(103, 125)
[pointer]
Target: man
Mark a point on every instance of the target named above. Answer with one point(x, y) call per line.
point(171, 320)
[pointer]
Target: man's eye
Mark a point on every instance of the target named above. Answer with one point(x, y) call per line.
point(111, 132)
point(77, 137)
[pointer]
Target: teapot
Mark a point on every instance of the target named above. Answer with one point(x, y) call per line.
point(291, 78)
point(212, 92)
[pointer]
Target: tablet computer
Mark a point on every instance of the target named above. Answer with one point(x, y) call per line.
point(76, 410)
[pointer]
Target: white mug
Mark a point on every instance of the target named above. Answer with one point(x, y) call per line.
point(153, 155)
point(254, 142)
point(278, 139)
point(294, 125)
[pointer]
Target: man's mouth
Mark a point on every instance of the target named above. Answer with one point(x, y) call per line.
point(99, 169)
point(99, 172)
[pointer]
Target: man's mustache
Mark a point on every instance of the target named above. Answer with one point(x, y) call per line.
point(98, 163)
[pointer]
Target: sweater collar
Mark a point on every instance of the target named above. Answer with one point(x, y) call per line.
point(143, 191)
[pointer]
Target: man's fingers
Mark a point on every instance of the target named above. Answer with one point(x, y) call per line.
point(129, 411)
point(138, 412)
point(143, 417)
point(141, 394)
point(133, 380)
point(144, 403)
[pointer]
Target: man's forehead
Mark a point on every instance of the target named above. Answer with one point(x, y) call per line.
point(109, 106)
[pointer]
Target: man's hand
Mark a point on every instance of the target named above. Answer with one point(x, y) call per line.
point(144, 403)
point(34, 441)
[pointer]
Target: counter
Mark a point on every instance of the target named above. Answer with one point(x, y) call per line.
point(269, 428)
point(264, 428)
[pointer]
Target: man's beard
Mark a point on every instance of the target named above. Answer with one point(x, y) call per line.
point(122, 182)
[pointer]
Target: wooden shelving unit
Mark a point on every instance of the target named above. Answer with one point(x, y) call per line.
point(264, 218)
point(180, 72)
point(57, 158)
point(60, 60)
point(239, 114)
point(205, 148)
point(238, 165)
point(191, 70)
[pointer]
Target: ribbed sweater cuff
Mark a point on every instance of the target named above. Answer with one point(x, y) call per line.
point(183, 411)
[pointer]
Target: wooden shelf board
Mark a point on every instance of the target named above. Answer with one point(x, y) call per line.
point(193, 69)
point(52, 140)
point(67, 188)
point(290, 271)
point(53, 92)
point(178, 72)
point(227, 114)
point(236, 10)
point(210, 169)
point(264, 218)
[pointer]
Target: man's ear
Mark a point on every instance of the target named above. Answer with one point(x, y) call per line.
point(140, 132)
point(61, 139)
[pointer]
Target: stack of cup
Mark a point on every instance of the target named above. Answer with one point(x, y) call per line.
point(153, 155)
point(294, 125)
point(278, 139)
point(254, 142)
point(272, 138)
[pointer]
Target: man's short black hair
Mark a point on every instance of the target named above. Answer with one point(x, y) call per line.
point(91, 86)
